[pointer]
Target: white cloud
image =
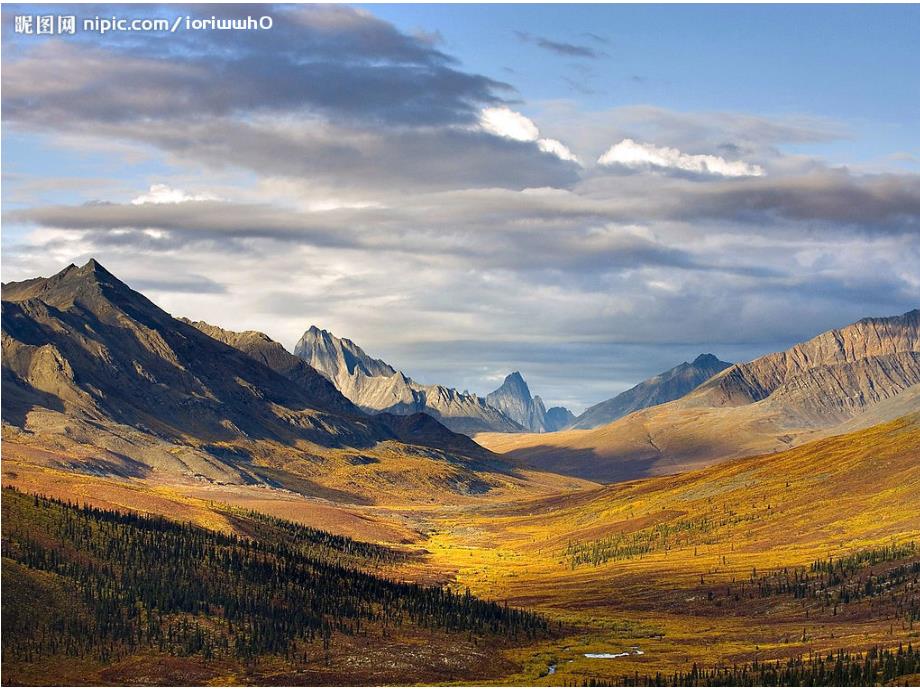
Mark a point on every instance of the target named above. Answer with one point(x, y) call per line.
point(636, 155)
point(164, 194)
point(557, 148)
point(504, 122)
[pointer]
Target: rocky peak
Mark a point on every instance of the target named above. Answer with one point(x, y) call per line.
point(513, 399)
point(375, 386)
point(707, 360)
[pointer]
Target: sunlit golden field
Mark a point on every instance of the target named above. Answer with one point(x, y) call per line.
point(669, 566)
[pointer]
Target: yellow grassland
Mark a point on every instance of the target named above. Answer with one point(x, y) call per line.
point(681, 537)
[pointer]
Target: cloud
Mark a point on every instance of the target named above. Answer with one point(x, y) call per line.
point(164, 194)
point(350, 158)
point(833, 197)
point(504, 122)
point(333, 60)
point(382, 190)
point(557, 148)
point(561, 47)
point(638, 156)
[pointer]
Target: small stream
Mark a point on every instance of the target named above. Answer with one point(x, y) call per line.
point(632, 651)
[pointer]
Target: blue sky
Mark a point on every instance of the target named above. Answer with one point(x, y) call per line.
point(589, 194)
point(853, 64)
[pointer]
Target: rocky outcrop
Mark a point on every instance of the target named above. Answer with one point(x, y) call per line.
point(669, 385)
point(375, 386)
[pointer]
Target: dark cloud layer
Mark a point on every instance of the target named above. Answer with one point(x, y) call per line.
point(323, 59)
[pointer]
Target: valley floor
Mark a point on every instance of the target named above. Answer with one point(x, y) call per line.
point(791, 555)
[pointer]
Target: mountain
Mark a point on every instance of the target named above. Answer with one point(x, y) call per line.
point(99, 380)
point(273, 355)
point(842, 380)
point(514, 400)
point(831, 377)
point(417, 428)
point(558, 418)
point(375, 386)
point(669, 385)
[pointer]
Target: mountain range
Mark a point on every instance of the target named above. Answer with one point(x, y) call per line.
point(99, 380)
point(375, 386)
point(842, 380)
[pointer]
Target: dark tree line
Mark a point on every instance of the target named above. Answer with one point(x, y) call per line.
point(138, 582)
point(318, 544)
point(886, 578)
point(877, 666)
point(625, 546)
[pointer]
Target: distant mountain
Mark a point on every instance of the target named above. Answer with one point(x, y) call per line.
point(558, 418)
point(375, 386)
point(843, 380)
point(669, 385)
point(97, 379)
point(514, 400)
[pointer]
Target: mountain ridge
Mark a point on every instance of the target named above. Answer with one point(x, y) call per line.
point(97, 379)
point(375, 386)
point(661, 388)
point(777, 401)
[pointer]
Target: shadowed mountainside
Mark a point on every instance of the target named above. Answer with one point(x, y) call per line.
point(558, 418)
point(418, 428)
point(846, 378)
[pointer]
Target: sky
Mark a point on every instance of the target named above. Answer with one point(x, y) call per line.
point(589, 194)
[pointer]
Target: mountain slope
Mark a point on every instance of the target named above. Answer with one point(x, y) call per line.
point(97, 379)
point(669, 385)
point(273, 355)
point(515, 402)
point(375, 386)
point(830, 377)
point(776, 401)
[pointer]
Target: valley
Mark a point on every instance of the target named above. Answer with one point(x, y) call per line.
point(757, 535)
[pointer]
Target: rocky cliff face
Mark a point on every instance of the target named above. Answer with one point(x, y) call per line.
point(669, 385)
point(829, 378)
point(514, 400)
point(375, 386)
